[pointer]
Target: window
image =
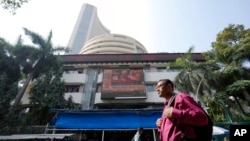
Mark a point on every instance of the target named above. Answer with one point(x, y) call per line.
point(72, 88)
point(80, 71)
point(150, 87)
point(162, 69)
point(146, 69)
point(98, 88)
point(73, 71)
point(100, 71)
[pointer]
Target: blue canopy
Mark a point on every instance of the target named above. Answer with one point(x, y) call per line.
point(107, 119)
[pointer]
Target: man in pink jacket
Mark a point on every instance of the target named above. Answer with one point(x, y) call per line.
point(177, 120)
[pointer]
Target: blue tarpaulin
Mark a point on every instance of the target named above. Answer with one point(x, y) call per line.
point(107, 120)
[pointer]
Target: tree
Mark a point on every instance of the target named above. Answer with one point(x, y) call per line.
point(9, 75)
point(25, 55)
point(45, 61)
point(38, 63)
point(231, 52)
point(237, 88)
point(195, 77)
point(47, 92)
point(12, 5)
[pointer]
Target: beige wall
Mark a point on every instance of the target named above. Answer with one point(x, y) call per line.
point(150, 78)
point(77, 97)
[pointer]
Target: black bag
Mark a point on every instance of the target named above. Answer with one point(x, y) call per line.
point(203, 133)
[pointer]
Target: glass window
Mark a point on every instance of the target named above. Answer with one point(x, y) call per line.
point(162, 69)
point(146, 69)
point(80, 71)
point(150, 87)
point(73, 71)
point(72, 88)
point(98, 88)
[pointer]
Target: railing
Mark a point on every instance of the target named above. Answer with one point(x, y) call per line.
point(23, 130)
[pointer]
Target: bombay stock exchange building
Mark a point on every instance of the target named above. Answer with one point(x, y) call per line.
point(113, 78)
point(90, 36)
point(87, 26)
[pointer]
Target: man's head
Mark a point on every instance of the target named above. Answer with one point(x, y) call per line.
point(140, 130)
point(164, 88)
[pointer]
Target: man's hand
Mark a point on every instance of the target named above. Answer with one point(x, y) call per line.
point(158, 122)
point(168, 112)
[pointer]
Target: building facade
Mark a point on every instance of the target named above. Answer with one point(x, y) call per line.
point(113, 79)
point(86, 77)
point(116, 93)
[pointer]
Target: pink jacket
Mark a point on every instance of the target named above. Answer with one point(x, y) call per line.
point(186, 112)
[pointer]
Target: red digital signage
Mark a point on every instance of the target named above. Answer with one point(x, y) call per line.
point(123, 83)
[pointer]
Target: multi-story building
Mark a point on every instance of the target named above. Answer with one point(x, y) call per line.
point(116, 93)
point(113, 78)
point(87, 26)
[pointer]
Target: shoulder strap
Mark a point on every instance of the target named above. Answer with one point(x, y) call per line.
point(171, 100)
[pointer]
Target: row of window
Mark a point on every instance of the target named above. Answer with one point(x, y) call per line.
point(72, 88)
point(83, 71)
point(87, 48)
point(76, 88)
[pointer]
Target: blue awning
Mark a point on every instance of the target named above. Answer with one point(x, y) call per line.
point(107, 120)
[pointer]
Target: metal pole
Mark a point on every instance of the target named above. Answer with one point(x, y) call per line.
point(102, 135)
point(154, 135)
point(53, 132)
point(80, 137)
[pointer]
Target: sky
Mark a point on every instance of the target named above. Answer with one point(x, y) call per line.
point(171, 26)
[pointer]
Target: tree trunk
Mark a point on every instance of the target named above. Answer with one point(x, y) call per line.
point(22, 90)
point(247, 97)
point(241, 108)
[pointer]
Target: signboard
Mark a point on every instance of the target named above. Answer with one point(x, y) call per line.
point(123, 84)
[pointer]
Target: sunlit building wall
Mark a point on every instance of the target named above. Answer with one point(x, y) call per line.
point(87, 26)
point(112, 44)
point(84, 76)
